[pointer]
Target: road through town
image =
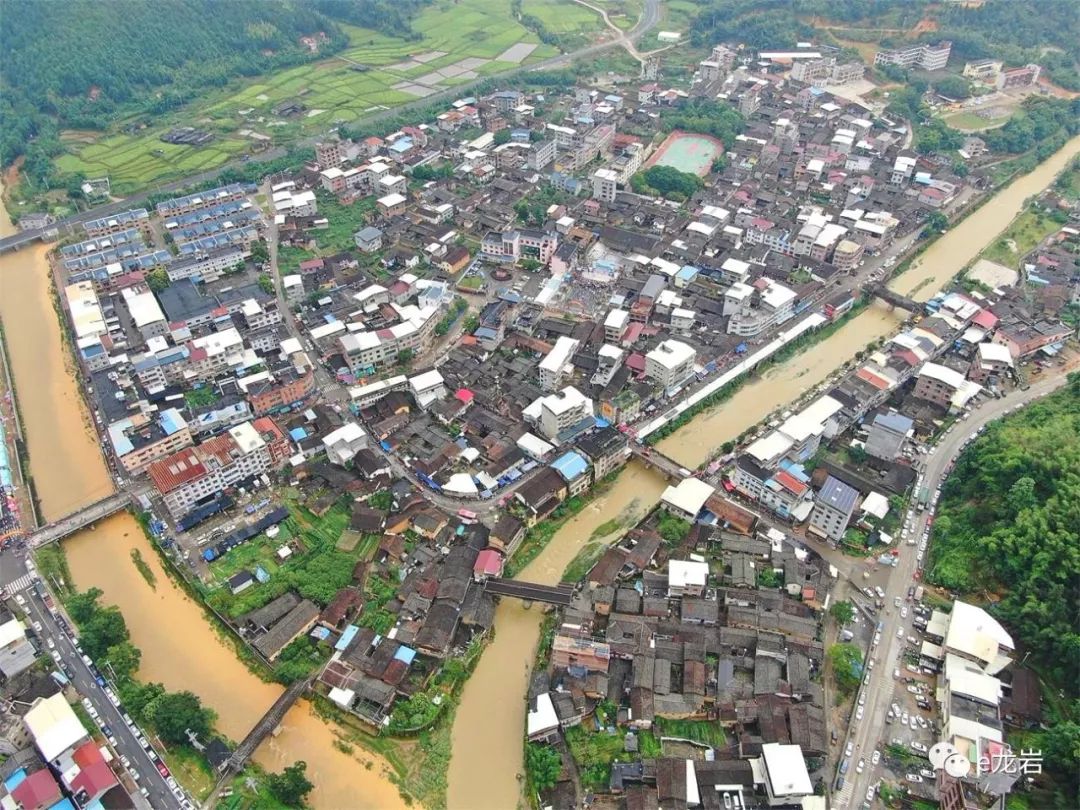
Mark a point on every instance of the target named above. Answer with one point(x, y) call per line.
point(869, 734)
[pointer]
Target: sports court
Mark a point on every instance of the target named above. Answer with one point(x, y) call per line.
point(687, 152)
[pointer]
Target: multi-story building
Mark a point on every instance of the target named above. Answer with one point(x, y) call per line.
point(139, 440)
point(138, 218)
point(146, 313)
point(278, 391)
point(205, 267)
point(767, 307)
point(1026, 76)
point(887, 435)
point(982, 69)
point(615, 325)
point(561, 414)
point(833, 506)
point(1024, 336)
point(605, 185)
point(330, 154)
point(925, 56)
point(557, 365)
point(670, 364)
point(521, 243)
point(939, 384)
point(541, 154)
point(606, 450)
point(200, 200)
point(367, 351)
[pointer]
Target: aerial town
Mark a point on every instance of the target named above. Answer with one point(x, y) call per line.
point(352, 401)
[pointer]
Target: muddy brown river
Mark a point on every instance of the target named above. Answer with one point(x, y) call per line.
point(182, 650)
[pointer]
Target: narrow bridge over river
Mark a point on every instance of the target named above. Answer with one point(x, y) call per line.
point(651, 457)
point(64, 527)
point(893, 299)
point(559, 595)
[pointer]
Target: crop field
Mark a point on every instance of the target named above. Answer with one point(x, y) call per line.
point(458, 42)
point(565, 17)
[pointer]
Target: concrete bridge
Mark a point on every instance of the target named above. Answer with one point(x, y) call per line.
point(559, 595)
point(893, 299)
point(64, 527)
point(651, 457)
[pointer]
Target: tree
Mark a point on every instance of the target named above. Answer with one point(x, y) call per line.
point(266, 284)
point(768, 578)
point(103, 630)
point(936, 222)
point(529, 265)
point(157, 280)
point(174, 713)
point(82, 606)
point(124, 658)
point(136, 697)
point(260, 253)
point(405, 357)
point(843, 612)
point(291, 786)
point(543, 765)
point(501, 137)
point(666, 181)
point(846, 661)
point(954, 87)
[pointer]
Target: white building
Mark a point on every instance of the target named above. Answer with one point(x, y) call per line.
point(343, 444)
point(146, 313)
point(687, 577)
point(615, 325)
point(787, 781)
point(770, 307)
point(557, 364)
point(670, 363)
point(559, 412)
point(427, 388)
point(687, 498)
point(605, 184)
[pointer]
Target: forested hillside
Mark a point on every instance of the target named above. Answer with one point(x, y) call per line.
point(81, 64)
point(1008, 525)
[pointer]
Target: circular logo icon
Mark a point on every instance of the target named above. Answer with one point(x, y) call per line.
point(939, 753)
point(957, 765)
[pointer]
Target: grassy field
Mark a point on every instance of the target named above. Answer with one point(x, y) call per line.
point(338, 90)
point(1025, 232)
point(971, 122)
point(565, 18)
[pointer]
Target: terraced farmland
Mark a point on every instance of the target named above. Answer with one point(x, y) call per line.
point(458, 42)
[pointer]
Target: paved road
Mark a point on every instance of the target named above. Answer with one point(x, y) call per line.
point(85, 682)
point(869, 734)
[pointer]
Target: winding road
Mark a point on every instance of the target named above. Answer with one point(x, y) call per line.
point(869, 734)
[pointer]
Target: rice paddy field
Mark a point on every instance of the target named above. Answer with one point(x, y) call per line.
point(459, 41)
point(573, 22)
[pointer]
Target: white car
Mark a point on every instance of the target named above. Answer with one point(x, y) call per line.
point(903, 610)
point(899, 632)
point(904, 719)
point(858, 713)
point(50, 644)
point(913, 777)
point(876, 758)
point(850, 748)
point(896, 601)
point(859, 768)
point(37, 627)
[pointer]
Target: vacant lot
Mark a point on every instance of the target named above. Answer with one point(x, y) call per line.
point(459, 41)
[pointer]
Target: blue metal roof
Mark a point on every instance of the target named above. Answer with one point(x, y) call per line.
point(346, 637)
point(570, 465)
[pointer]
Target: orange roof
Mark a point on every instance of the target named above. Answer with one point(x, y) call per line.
point(174, 471)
